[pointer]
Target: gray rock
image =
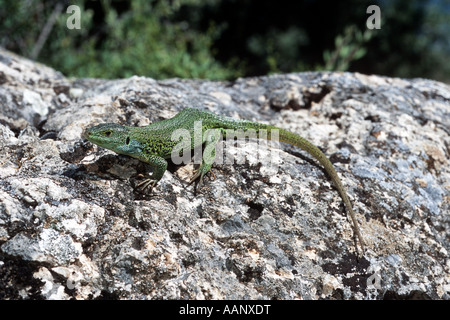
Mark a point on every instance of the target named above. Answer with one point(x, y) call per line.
point(72, 225)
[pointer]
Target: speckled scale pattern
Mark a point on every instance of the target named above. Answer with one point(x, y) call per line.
point(153, 143)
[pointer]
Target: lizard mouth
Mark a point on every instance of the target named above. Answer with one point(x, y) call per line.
point(85, 134)
point(88, 134)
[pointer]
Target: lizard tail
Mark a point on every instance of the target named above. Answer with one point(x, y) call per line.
point(273, 133)
point(296, 140)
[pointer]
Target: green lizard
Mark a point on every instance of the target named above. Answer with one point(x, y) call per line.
point(153, 144)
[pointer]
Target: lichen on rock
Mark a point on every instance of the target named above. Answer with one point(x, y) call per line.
point(260, 230)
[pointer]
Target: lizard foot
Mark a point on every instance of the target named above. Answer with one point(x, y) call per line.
point(147, 183)
point(199, 174)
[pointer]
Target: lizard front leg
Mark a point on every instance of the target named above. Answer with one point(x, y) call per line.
point(208, 156)
point(159, 167)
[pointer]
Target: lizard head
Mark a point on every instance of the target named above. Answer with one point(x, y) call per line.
point(112, 136)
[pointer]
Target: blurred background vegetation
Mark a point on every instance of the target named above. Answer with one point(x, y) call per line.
point(225, 39)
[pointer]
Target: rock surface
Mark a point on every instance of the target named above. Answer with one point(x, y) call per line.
point(72, 225)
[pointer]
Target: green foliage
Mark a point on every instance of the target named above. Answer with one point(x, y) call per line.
point(225, 39)
point(413, 40)
point(16, 31)
point(348, 47)
point(138, 42)
point(279, 48)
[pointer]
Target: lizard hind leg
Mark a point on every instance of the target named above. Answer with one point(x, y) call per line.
point(208, 156)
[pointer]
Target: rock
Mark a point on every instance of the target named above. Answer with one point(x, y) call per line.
point(269, 226)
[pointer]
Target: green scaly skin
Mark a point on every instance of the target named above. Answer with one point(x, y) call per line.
point(153, 144)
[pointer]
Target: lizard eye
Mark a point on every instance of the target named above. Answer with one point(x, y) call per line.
point(108, 133)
